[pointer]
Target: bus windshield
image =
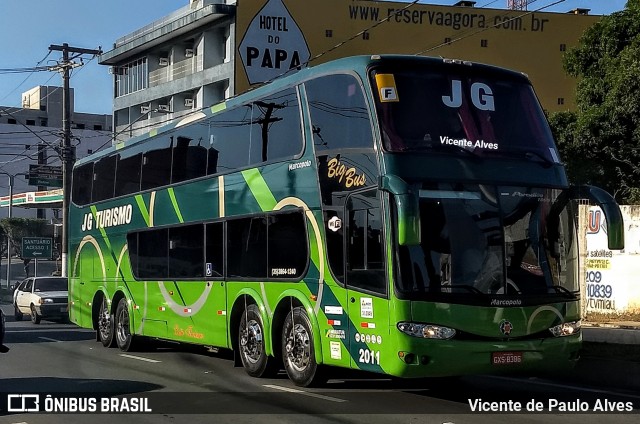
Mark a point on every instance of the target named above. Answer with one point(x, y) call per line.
point(480, 239)
point(458, 113)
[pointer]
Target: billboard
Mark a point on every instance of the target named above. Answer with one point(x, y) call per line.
point(274, 37)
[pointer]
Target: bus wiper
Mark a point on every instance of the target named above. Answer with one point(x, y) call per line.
point(467, 287)
point(538, 157)
point(455, 148)
point(564, 291)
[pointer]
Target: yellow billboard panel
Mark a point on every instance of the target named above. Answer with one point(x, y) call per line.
point(276, 36)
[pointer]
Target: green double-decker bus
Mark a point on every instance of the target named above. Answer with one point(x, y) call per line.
point(397, 214)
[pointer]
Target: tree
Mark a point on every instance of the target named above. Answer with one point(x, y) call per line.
point(600, 141)
point(17, 228)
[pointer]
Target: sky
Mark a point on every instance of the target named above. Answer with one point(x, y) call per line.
point(29, 27)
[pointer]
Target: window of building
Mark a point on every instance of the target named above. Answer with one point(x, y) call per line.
point(79, 126)
point(447, 40)
point(11, 121)
point(132, 77)
point(365, 35)
point(97, 127)
point(339, 113)
point(484, 43)
point(560, 100)
point(43, 122)
point(563, 47)
point(328, 33)
point(31, 121)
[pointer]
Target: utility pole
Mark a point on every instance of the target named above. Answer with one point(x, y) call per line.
point(67, 153)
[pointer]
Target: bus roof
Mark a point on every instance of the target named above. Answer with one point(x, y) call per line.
point(358, 64)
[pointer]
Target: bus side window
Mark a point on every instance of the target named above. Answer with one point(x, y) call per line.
point(189, 157)
point(128, 173)
point(288, 247)
point(82, 181)
point(156, 164)
point(276, 131)
point(150, 258)
point(229, 140)
point(186, 251)
point(105, 173)
point(339, 113)
point(365, 265)
point(214, 262)
point(247, 247)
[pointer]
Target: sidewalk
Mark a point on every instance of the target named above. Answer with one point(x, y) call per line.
point(623, 332)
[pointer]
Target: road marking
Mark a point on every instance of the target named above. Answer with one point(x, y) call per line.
point(49, 339)
point(302, 392)
point(139, 358)
point(565, 386)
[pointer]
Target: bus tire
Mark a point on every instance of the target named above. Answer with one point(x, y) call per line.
point(105, 325)
point(122, 327)
point(298, 350)
point(251, 338)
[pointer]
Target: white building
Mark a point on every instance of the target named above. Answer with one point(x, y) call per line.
point(31, 135)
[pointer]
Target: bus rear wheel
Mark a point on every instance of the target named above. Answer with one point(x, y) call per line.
point(122, 327)
point(105, 325)
point(251, 339)
point(298, 350)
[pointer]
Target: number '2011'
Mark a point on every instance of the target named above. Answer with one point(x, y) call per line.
point(369, 356)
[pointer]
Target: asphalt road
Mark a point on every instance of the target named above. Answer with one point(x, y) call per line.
point(192, 385)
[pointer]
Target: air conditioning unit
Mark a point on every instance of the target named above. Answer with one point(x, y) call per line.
point(164, 108)
point(188, 102)
point(189, 53)
point(145, 109)
point(164, 61)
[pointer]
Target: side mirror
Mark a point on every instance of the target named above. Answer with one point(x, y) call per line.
point(408, 207)
point(611, 210)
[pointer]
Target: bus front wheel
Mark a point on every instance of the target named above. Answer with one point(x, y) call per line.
point(298, 350)
point(251, 339)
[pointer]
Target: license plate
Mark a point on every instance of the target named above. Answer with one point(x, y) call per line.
point(506, 358)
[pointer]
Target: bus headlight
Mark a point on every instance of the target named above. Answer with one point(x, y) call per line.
point(566, 328)
point(427, 331)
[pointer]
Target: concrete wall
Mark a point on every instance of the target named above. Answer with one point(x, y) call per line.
point(611, 278)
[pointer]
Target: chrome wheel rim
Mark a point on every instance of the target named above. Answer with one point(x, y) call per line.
point(251, 341)
point(298, 348)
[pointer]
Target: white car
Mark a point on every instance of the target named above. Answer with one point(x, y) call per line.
point(42, 298)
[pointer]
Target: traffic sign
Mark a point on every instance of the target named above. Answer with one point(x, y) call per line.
point(45, 175)
point(37, 247)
